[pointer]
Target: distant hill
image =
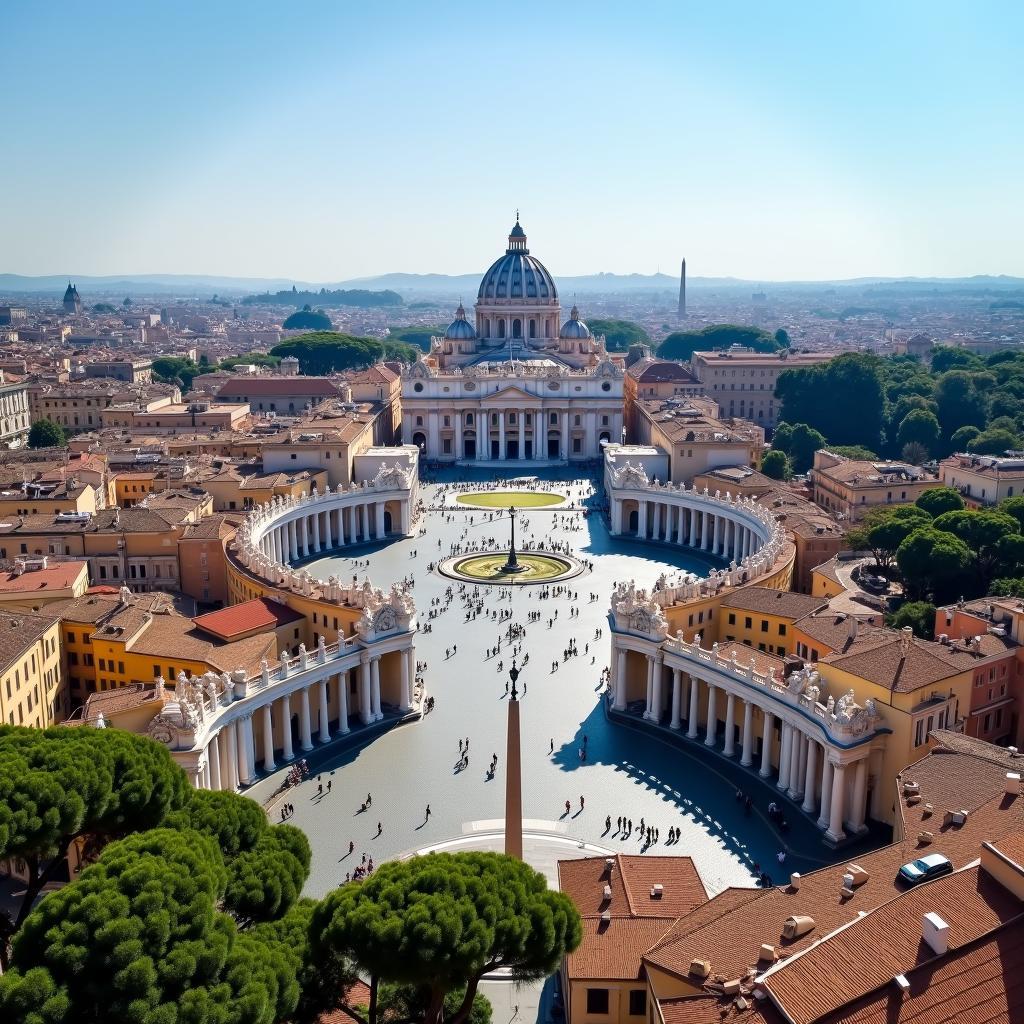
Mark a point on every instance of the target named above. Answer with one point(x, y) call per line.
point(449, 285)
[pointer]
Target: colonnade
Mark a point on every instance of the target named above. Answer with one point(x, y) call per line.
point(706, 529)
point(235, 751)
point(826, 780)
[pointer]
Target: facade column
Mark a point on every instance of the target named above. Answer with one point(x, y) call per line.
point(694, 715)
point(858, 811)
point(826, 790)
point(809, 777)
point(375, 688)
point(784, 756)
point(566, 443)
point(620, 680)
point(325, 732)
point(458, 434)
point(213, 760)
point(712, 730)
point(835, 817)
point(747, 757)
point(305, 725)
point(342, 678)
point(677, 686)
point(268, 739)
point(380, 520)
point(616, 516)
point(522, 433)
point(404, 700)
point(766, 746)
point(286, 727)
point(501, 433)
point(730, 725)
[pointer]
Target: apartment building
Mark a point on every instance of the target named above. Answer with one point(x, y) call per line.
point(32, 689)
point(984, 480)
point(850, 488)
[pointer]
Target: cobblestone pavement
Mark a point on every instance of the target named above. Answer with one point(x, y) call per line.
point(628, 771)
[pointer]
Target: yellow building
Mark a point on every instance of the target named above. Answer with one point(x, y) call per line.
point(131, 487)
point(851, 487)
point(32, 687)
point(763, 618)
point(238, 487)
point(34, 583)
point(48, 498)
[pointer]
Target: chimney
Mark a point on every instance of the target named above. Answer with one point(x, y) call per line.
point(852, 627)
point(1012, 784)
point(905, 634)
point(935, 932)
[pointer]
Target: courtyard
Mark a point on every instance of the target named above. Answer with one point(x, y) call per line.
point(570, 750)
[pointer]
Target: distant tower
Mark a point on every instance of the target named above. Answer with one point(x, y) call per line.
point(72, 303)
point(682, 291)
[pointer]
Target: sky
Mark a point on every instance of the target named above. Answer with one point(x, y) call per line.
point(328, 141)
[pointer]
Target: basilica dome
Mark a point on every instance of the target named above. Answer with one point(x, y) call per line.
point(517, 276)
point(460, 328)
point(574, 327)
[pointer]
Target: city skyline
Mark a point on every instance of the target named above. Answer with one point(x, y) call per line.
point(787, 145)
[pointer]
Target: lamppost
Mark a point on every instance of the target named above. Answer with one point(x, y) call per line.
point(512, 563)
point(513, 775)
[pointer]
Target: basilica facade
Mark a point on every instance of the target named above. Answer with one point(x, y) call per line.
point(518, 383)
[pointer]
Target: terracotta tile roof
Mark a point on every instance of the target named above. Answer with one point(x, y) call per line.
point(888, 941)
point(18, 631)
point(175, 636)
point(832, 630)
point(652, 371)
point(260, 613)
point(357, 994)
point(982, 983)
point(208, 528)
point(53, 577)
point(277, 387)
point(712, 1009)
point(766, 601)
point(614, 949)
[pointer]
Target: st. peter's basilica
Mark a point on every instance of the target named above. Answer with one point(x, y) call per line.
point(518, 383)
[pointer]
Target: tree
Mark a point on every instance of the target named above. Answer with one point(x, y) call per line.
point(782, 338)
point(618, 334)
point(442, 921)
point(776, 465)
point(962, 438)
point(886, 527)
point(47, 434)
point(415, 335)
point(359, 297)
point(137, 936)
point(799, 442)
point(854, 451)
point(960, 403)
point(62, 785)
point(921, 427)
point(1013, 507)
point(939, 500)
point(933, 562)
point(918, 615)
point(307, 319)
point(175, 370)
point(914, 452)
point(994, 441)
point(323, 352)
point(982, 531)
point(946, 357)
point(682, 344)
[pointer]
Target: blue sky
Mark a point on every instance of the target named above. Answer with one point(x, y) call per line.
point(323, 141)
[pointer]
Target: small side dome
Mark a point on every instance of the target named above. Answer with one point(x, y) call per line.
point(574, 327)
point(460, 329)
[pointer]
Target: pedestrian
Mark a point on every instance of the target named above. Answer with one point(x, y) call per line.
point(427, 816)
point(328, 785)
point(567, 807)
point(320, 789)
point(552, 750)
point(581, 803)
point(380, 828)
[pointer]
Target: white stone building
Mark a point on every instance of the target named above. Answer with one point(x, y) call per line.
point(519, 384)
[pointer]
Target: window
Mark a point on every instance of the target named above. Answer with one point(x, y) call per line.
point(919, 732)
point(732, 618)
point(748, 622)
point(764, 625)
point(120, 667)
point(156, 671)
point(637, 1002)
point(71, 638)
point(782, 629)
point(597, 1000)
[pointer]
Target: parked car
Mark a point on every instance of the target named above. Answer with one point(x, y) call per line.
point(924, 869)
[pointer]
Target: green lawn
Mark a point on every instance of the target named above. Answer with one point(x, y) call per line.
point(518, 499)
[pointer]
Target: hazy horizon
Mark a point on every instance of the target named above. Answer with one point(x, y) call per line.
point(327, 143)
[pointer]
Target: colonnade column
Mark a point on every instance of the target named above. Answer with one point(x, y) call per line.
point(286, 727)
point(380, 520)
point(860, 783)
point(620, 680)
point(649, 699)
point(809, 779)
point(365, 714)
point(766, 745)
point(325, 732)
point(692, 536)
point(305, 726)
point(365, 509)
point(375, 688)
point(718, 535)
point(747, 758)
point(784, 755)
point(328, 541)
point(213, 759)
point(694, 715)
point(795, 787)
point(229, 751)
point(835, 816)
point(316, 531)
point(342, 678)
point(656, 521)
point(677, 686)
point(826, 791)
point(641, 519)
point(304, 528)
point(293, 544)
point(712, 730)
point(730, 725)
point(404, 700)
point(268, 739)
